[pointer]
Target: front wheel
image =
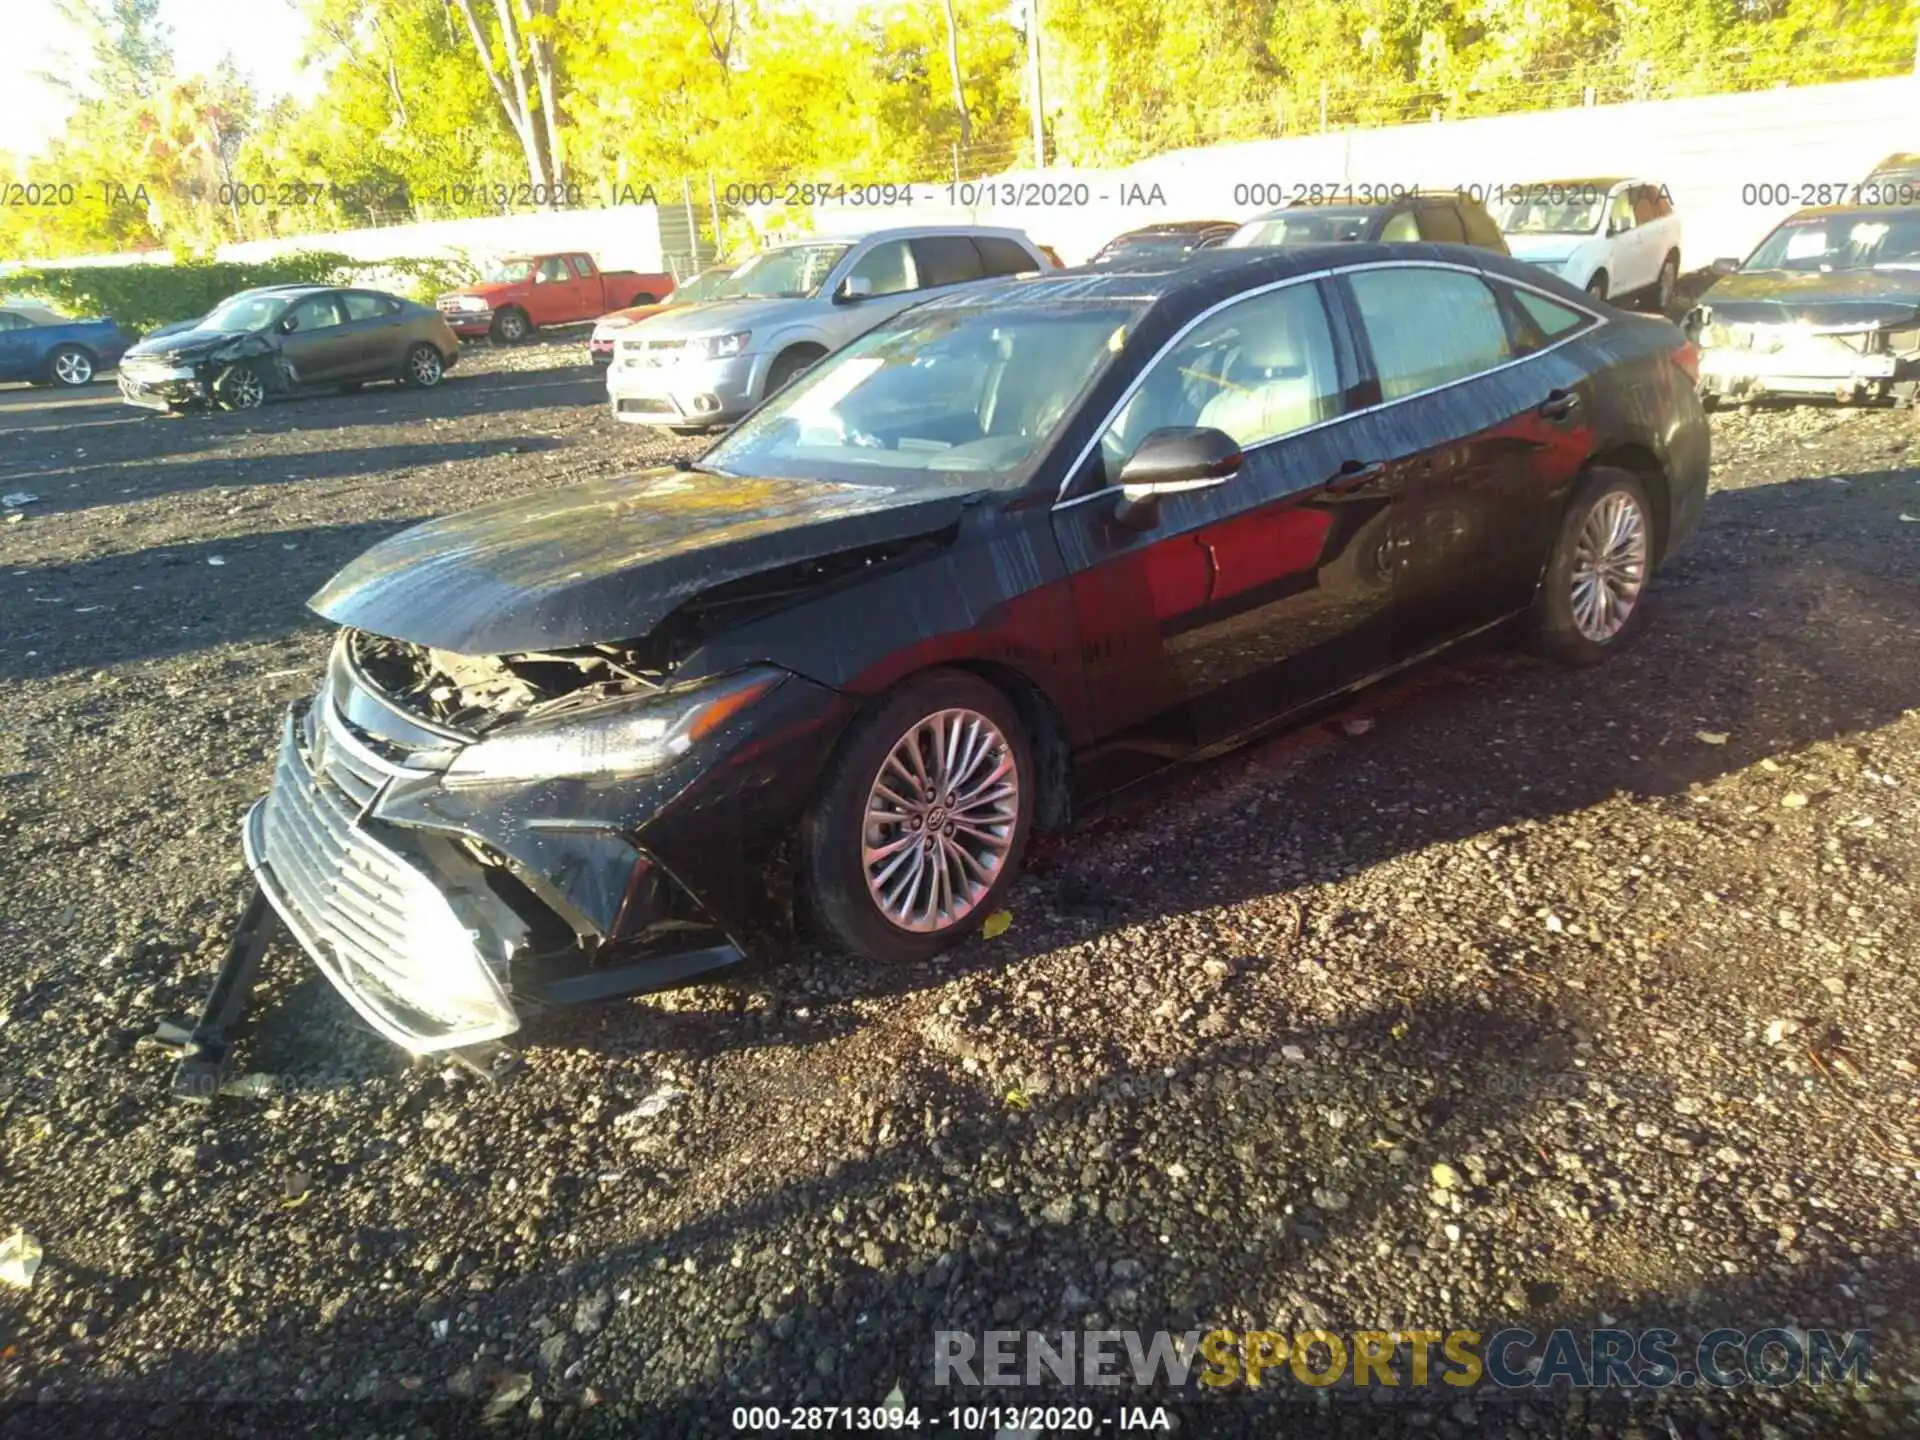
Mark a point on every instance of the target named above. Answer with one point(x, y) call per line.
point(1667, 284)
point(70, 367)
point(1590, 598)
point(510, 327)
point(241, 388)
point(423, 369)
point(1597, 286)
point(922, 819)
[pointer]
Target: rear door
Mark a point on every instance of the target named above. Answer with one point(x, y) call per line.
point(553, 298)
point(16, 347)
point(377, 332)
point(1234, 606)
point(1481, 429)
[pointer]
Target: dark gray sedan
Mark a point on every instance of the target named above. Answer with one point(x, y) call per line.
point(283, 338)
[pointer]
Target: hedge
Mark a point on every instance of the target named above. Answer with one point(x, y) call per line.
point(143, 296)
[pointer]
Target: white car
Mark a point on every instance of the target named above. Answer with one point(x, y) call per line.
point(1611, 237)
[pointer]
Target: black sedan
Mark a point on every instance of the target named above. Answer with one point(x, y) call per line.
point(281, 338)
point(1015, 548)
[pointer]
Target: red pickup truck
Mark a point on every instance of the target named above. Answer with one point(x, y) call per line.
point(524, 292)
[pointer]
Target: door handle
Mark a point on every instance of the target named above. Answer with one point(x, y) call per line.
point(1559, 404)
point(1355, 475)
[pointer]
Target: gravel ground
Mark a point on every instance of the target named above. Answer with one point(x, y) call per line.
point(1631, 952)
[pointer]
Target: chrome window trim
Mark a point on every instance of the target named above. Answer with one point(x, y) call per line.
point(1488, 276)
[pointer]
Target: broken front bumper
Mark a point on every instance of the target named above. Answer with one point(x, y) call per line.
point(442, 911)
point(1742, 361)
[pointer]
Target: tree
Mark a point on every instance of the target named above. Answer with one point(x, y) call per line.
point(538, 133)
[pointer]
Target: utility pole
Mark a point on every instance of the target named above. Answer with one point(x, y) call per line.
point(1039, 99)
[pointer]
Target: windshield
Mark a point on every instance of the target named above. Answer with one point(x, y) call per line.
point(509, 272)
point(245, 312)
point(963, 390)
point(1842, 242)
point(793, 272)
point(1559, 212)
point(701, 287)
point(1302, 227)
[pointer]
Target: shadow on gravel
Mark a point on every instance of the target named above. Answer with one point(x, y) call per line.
point(172, 599)
point(279, 468)
point(1045, 1218)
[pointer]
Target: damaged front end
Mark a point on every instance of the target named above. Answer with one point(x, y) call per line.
point(1852, 360)
point(237, 373)
point(455, 839)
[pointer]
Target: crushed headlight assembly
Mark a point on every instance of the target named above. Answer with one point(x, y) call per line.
point(615, 739)
point(721, 347)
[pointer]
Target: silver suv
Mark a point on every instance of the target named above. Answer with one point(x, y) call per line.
point(786, 308)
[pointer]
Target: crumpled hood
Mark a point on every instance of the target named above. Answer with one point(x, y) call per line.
point(188, 345)
point(720, 317)
point(609, 560)
point(1800, 297)
point(1544, 249)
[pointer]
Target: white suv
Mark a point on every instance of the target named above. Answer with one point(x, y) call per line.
point(1611, 237)
point(788, 307)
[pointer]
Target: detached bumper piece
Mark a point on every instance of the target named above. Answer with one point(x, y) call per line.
point(1739, 362)
point(204, 1049)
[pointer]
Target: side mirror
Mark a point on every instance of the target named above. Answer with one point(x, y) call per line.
point(853, 288)
point(1726, 265)
point(288, 324)
point(1171, 461)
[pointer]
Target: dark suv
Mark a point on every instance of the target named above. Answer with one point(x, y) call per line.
point(1447, 216)
point(1172, 240)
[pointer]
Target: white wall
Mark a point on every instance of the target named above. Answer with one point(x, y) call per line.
point(1704, 150)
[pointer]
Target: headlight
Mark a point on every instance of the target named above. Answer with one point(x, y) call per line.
point(719, 347)
point(617, 739)
point(472, 302)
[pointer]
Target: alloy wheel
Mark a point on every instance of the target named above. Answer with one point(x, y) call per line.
point(940, 820)
point(1669, 280)
point(1609, 566)
point(426, 366)
point(244, 389)
point(70, 367)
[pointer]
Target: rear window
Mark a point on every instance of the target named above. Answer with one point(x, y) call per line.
point(364, 306)
point(946, 260)
point(1001, 256)
point(1481, 230)
point(1441, 223)
point(1544, 321)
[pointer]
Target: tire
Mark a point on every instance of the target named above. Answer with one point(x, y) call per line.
point(1597, 285)
point(241, 388)
point(1667, 284)
point(70, 367)
point(510, 327)
point(1565, 630)
point(835, 835)
point(423, 368)
point(791, 365)
point(643, 298)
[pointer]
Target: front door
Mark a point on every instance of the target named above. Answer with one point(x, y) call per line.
point(315, 341)
point(1241, 600)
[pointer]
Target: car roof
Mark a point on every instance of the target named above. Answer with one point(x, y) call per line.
point(1180, 227)
point(905, 232)
point(38, 314)
point(1863, 212)
point(1577, 182)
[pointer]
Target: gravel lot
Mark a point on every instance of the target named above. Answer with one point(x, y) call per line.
point(1634, 952)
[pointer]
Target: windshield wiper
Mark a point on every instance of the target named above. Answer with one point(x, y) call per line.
point(684, 466)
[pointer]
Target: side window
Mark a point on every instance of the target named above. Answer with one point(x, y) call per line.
point(1620, 214)
point(582, 267)
point(886, 267)
point(945, 260)
point(316, 312)
point(1662, 201)
point(1481, 230)
point(364, 306)
point(10, 321)
point(1258, 370)
point(1539, 321)
point(1001, 256)
point(1400, 227)
point(1428, 327)
point(552, 269)
point(1645, 204)
point(1439, 222)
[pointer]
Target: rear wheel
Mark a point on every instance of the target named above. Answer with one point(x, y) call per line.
point(1668, 282)
point(642, 299)
point(70, 366)
point(511, 326)
point(423, 368)
point(922, 819)
point(1591, 597)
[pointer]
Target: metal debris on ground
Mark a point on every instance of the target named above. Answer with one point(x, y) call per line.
point(19, 1259)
